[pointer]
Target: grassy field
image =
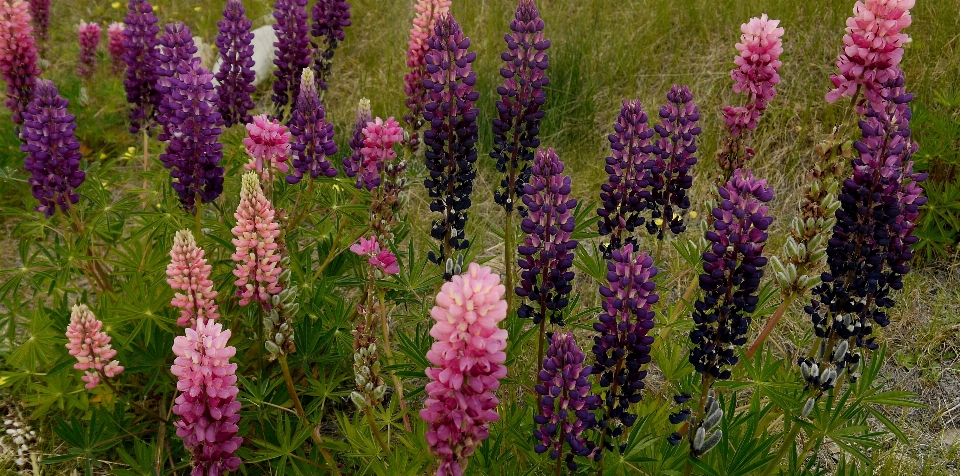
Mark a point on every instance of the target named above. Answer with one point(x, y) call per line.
point(605, 51)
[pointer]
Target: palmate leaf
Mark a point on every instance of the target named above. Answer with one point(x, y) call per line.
point(43, 343)
point(86, 441)
point(589, 260)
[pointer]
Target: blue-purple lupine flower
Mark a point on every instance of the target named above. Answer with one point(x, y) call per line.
point(235, 76)
point(566, 405)
point(193, 152)
point(176, 46)
point(451, 139)
point(625, 195)
point(140, 55)
point(312, 140)
point(330, 17)
point(293, 51)
point(669, 173)
point(733, 266)
point(353, 162)
point(522, 95)
point(622, 344)
point(53, 158)
point(40, 12)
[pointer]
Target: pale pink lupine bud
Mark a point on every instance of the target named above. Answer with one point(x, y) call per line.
point(257, 257)
point(115, 46)
point(88, 35)
point(268, 145)
point(189, 273)
point(91, 346)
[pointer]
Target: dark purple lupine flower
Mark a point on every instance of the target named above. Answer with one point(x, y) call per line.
point(53, 152)
point(622, 346)
point(293, 51)
point(732, 269)
point(517, 127)
point(176, 46)
point(235, 76)
point(625, 195)
point(40, 12)
point(330, 17)
point(451, 139)
point(312, 135)
point(140, 55)
point(193, 152)
point(669, 172)
point(566, 405)
point(353, 162)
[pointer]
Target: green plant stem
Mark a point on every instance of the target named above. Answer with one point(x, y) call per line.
point(376, 430)
point(705, 383)
point(146, 160)
point(296, 205)
point(771, 324)
point(161, 437)
point(290, 387)
point(559, 468)
point(509, 253)
point(397, 382)
point(784, 447)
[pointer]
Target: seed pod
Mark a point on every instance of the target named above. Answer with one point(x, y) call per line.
point(711, 442)
point(698, 439)
point(807, 407)
point(712, 419)
point(358, 400)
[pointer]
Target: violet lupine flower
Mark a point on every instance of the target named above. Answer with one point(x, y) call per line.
point(379, 136)
point(91, 346)
point(40, 12)
point(546, 276)
point(235, 76)
point(872, 49)
point(669, 173)
point(622, 346)
point(141, 56)
point(189, 272)
point(732, 269)
point(352, 162)
point(566, 405)
point(516, 129)
point(330, 17)
point(258, 262)
point(192, 130)
point(468, 356)
point(207, 401)
point(452, 138)
point(268, 145)
point(382, 259)
point(625, 195)
point(53, 158)
point(175, 46)
point(312, 135)
point(18, 57)
point(293, 51)
point(115, 46)
point(88, 35)
point(756, 74)
point(428, 11)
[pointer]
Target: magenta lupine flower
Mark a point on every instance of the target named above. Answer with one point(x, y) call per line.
point(89, 37)
point(293, 51)
point(312, 134)
point(175, 47)
point(91, 346)
point(379, 258)
point(757, 75)
point(115, 46)
point(468, 356)
point(235, 76)
point(428, 11)
point(872, 49)
point(351, 163)
point(257, 257)
point(40, 12)
point(330, 17)
point(189, 272)
point(669, 172)
point(268, 145)
point(378, 140)
point(53, 158)
point(207, 401)
point(18, 57)
point(141, 56)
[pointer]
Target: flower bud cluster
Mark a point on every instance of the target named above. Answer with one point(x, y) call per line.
point(668, 173)
point(18, 439)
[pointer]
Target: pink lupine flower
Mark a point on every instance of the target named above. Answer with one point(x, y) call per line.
point(428, 11)
point(189, 272)
point(379, 137)
point(257, 257)
point(872, 49)
point(757, 72)
point(207, 401)
point(91, 346)
point(379, 258)
point(18, 57)
point(115, 46)
point(89, 37)
point(469, 356)
point(268, 145)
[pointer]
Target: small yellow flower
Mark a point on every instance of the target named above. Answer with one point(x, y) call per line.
point(693, 214)
point(103, 156)
point(336, 187)
point(131, 150)
point(156, 8)
point(196, 9)
point(658, 221)
point(115, 5)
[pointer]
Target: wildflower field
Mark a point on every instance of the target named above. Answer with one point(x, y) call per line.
point(480, 237)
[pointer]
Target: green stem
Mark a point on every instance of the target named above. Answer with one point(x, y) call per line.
point(784, 447)
point(397, 382)
point(509, 253)
point(290, 387)
point(376, 430)
point(771, 324)
point(705, 384)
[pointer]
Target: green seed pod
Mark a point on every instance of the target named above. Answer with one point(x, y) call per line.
point(271, 347)
point(711, 442)
point(712, 419)
point(698, 439)
point(807, 407)
point(358, 400)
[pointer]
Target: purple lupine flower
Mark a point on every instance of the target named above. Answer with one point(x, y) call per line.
point(622, 346)
point(293, 51)
point(40, 12)
point(312, 135)
point(235, 76)
point(330, 17)
point(352, 162)
point(193, 152)
point(733, 266)
point(517, 127)
point(88, 35)
point(566, 405)
point(452, 138)
point(625, 195)
point(140, 45)
point(176, 46)
point(53, 152)
point(669, 172)
point(18, 58)
point(547, 252)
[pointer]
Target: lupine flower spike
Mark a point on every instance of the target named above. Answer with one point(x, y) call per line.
point(207, 400)
point(91, 346)
point(53, 153)
point(312, 134)
point(235, 76)
point(268, 145)
point(141, 56)
point(353, 162)
point(468, 356)
point(330, 17)
point(189, 274)
point(669, 173)
point(89, 38)
point(379, 136)
point(175, 46)
point(428, 11)
point(381, 259)
point(258, 262)
point(451, 140)
point(115, 46)
point(18, 57)
point(293, 51)
point(40, 12)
